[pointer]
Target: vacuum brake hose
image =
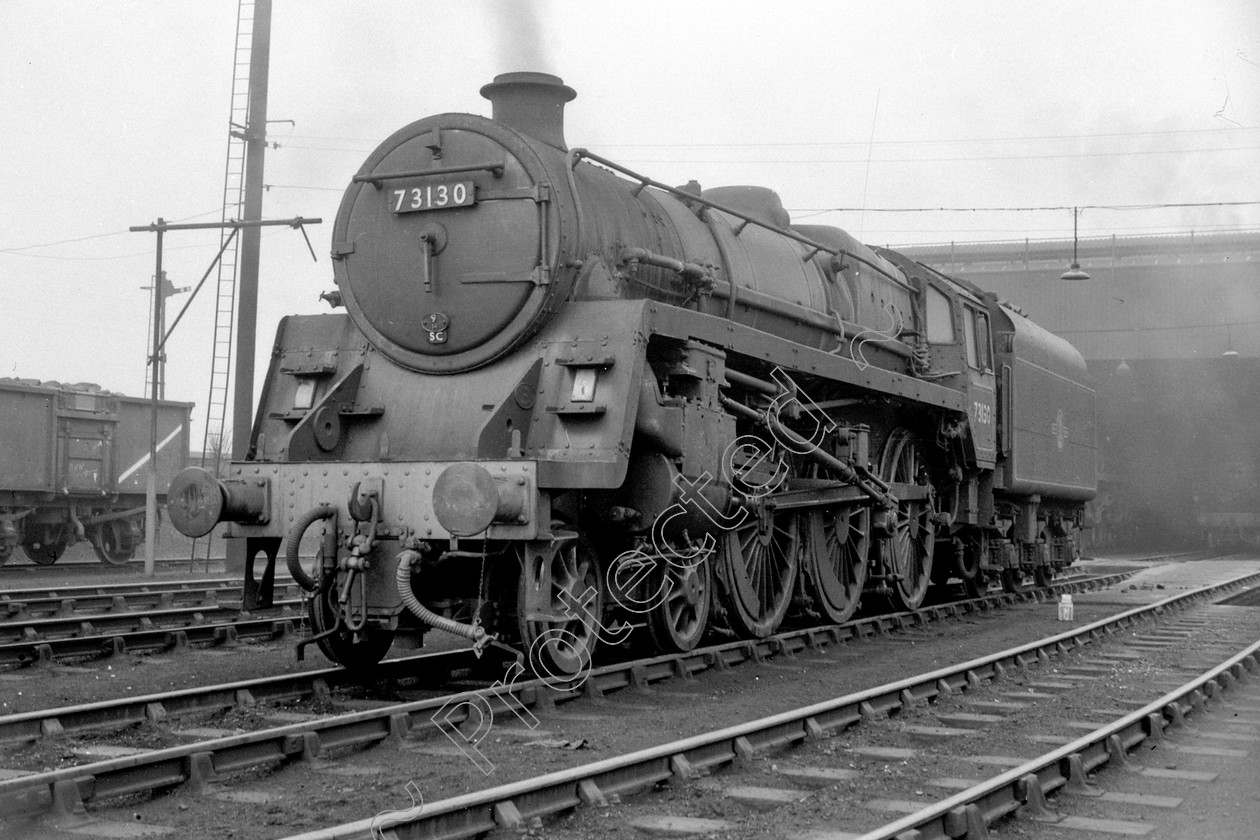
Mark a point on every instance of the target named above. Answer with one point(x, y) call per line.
point(403, 579)
point(294, 538)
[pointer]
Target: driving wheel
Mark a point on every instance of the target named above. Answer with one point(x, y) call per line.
point(757, 564)
point(834, 559)
point(910, 544)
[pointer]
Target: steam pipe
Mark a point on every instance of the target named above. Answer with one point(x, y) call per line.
point(402, 579)
point(724, 254)
point(763, 385)
point(293, 540)
point(689, 271)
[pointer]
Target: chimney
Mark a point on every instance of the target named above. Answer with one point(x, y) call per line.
point(532, 103)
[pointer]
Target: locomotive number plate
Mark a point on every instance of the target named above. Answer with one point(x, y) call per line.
point(430, 195)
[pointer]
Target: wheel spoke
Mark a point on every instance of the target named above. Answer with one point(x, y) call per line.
point(834, 560)
point(757, 565)
point(908, 551)
point(680, 621)
point(567, 641)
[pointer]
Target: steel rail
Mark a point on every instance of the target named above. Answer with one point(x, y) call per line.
point(1071, 763)
point(67, 720)
point(27, 727)
point(87, 589)
point(513, 805)
point(56, 628)
point(108, 568)
point(105, 588)
point(149, 637)
point(85, 601)
point(65, 789)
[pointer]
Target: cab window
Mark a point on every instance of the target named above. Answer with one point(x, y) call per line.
point(984, 348)
point(976, 335)
point(940, 317)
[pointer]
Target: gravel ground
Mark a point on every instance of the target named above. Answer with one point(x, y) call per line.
point(307, 796)
point(89, 681)
point(843, 805)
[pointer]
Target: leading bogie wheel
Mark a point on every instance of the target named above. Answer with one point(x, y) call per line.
point(353, 652)
point(908, 549)
point(560, 640)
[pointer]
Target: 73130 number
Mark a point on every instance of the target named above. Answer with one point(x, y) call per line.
point(431, 196)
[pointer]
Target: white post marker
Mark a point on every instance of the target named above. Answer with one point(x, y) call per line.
point(1065, 607)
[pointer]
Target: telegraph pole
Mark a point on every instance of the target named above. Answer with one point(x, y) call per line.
point(247, 287)
point(150, 480)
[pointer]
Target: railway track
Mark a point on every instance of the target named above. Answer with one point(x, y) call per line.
point(17, 605)
point(91, 566)
point(825, 768)
point(150, 638)
point(46, 625)
point(200, 764)
point(1120, 746)
point(30, 641)
point(170, 706)
point(392, 674)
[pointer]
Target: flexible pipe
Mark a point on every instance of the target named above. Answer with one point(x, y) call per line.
point(293, 540)
point(403, 579)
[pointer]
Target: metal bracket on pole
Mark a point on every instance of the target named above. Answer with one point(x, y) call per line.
point(160, 227)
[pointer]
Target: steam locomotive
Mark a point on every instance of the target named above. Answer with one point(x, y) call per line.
point(565, 397)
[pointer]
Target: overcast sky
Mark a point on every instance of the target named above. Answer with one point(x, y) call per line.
point(116, 113)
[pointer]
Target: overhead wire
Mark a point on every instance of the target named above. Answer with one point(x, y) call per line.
point(861, 143)
point(18, 248)
point(966, 159)
point(779, 161)
point(867, 161)
point(1049, 207)
point(106, 258)
point(1159, 328)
